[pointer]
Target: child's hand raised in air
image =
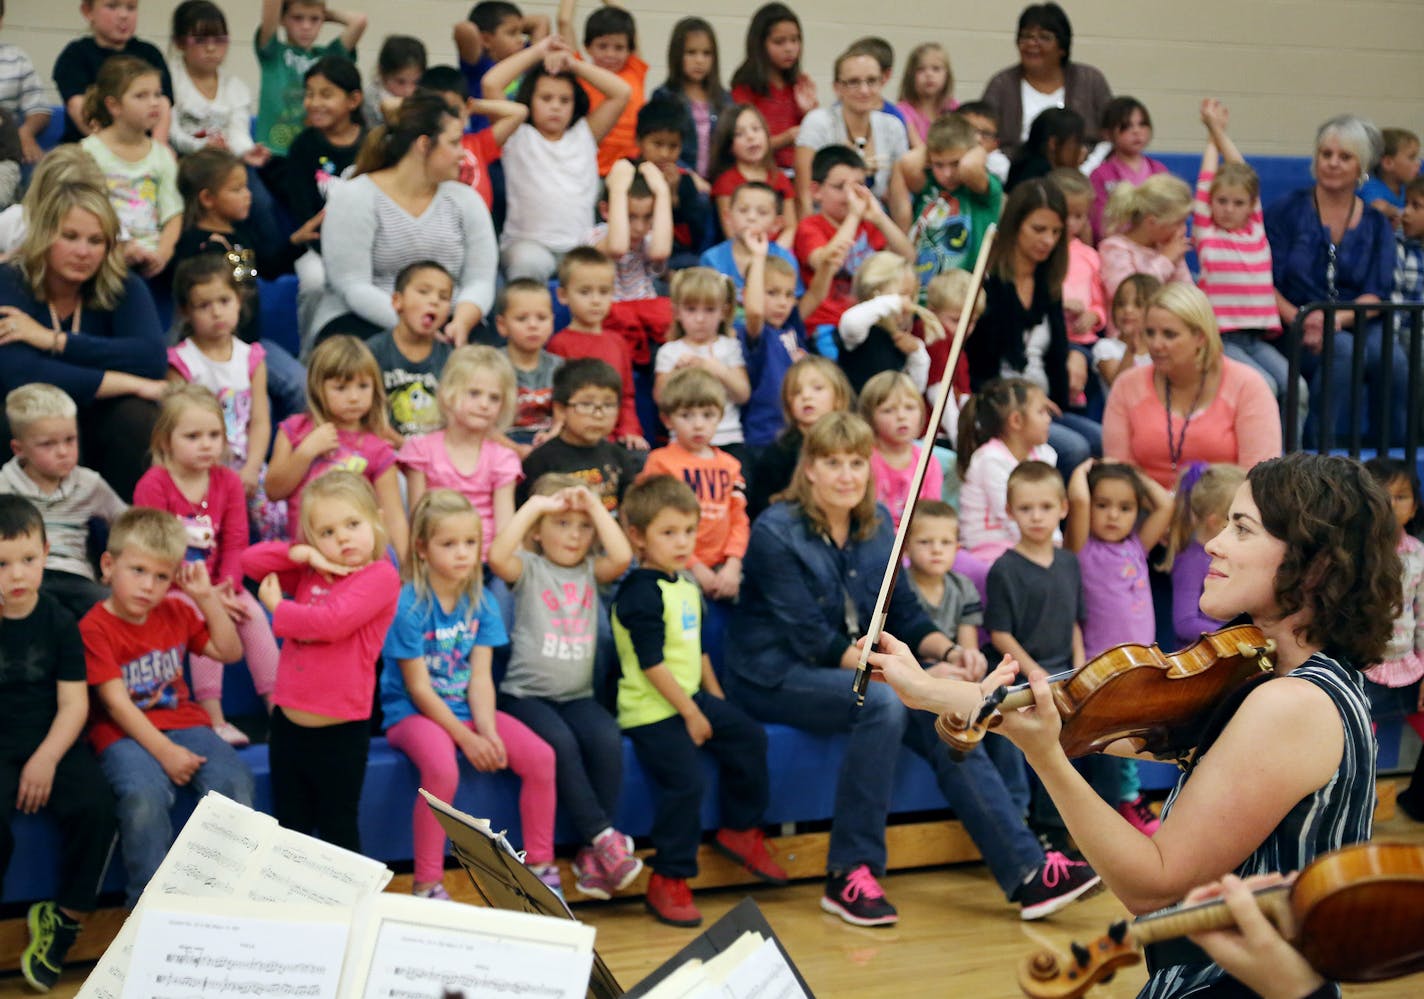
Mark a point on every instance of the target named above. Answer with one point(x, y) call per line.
point(1214, 114)
point(620, 175)
point(659, 180)
point(805, 93)
point(1078, 482)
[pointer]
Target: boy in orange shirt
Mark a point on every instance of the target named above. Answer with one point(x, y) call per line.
point(610, 39)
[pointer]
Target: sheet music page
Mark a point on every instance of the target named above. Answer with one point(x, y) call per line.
point(106, 981)
point(415, 948)
point(687, 982)
point(186, 949)
point(761, 974)
point(215, 852)
point(297, 868)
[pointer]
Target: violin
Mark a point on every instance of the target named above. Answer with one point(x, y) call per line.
point(1357, 914)
point(1133, 692)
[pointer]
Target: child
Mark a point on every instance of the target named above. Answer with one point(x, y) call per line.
point(284, 63)
point(1128, 127)
point(411, 356)
point(1003, 425)
point(670, 704)
point(694, 81)
point(770, 78)
point(126, 103)
point(344, 597)
point(546, 556)
point(494, 31)
point(190, 481)
point(637, 235)
point(984, 119)
point(343, 430)
point(550, 162)
point(702, 337)
point(741, 155)
point(659, 133)
point(148, 734)
point(610, 39)
point(23, 96)
point(1148, 222)
point(955, 198)
point(895, 410)
point(112, 24)
point(211, 106)
point(1084, 306)
point(586, 279)
point(399, 66)
point(884, 331)
point(948, 597)
point(926, 89)
point(586, 393)
point(1203, 503)
point(1115, 517)
point(945, 297)
point(1409, 246)
point(1055, 140)
point(753, 211)
point(813, 387)
point(771, 341)
point(692, 403)
point(481, 146)
point(44, 765)
point(476, 396)
point(321, 153)
point(1398, 164)
point(45, 470)
point(1114, 355)
point(437, 692)
point(850, 218)
point(525, 319)
point(1393, 685)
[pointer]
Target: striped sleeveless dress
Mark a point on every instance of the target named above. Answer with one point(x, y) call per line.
point(1338, 814)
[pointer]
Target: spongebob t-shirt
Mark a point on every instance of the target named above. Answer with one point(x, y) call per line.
point(410, 385)
point(356, 451)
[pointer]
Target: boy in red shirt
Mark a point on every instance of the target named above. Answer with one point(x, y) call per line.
point(610, 39)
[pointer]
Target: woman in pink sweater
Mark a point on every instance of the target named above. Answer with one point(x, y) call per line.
point(1192, 403)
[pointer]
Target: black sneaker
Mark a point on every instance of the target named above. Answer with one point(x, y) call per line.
point(51, 936)
point(1057, 883)
point(857, 898)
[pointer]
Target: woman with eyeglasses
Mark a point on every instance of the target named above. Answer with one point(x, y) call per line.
point(1044, 78)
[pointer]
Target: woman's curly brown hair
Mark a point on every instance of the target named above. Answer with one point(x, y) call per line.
point(1340, 564)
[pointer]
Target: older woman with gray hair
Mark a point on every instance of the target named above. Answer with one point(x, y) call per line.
point(1328, 245)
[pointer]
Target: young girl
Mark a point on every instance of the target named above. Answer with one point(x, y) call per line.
point(211, 107)
point(1148, 222)
point(189, 480)
point(1002, 424)
point(813, 387)
point(1128, 128)
point(1114, 355)
point(926, 88)
point(343, 598)
point(889, 329)
point(1393, 685)
point(347, 406)
point(476, 395)
point(1202, 503)
point(126, 103)
point(1055, 140)
point(741, 152)
point(895, 410)
point(399, 66)
point(1115, 516)
point(437, 693)
point(701, 335)
point(551, 161)
point(545, 553)
point(1084, 305)
point(770, 78)
point(695, 80)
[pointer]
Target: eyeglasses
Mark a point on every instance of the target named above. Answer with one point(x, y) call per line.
point(1041, 37)
point(986, 133)
point(593, 408)
point(865, 83)
point(208, 40)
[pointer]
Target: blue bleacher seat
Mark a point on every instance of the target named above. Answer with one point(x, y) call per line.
point(278, 302)
point(49, 138)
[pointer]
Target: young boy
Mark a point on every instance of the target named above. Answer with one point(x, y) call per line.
point(586, 393)
point(586, 281)
point(1398, 165)
point(43, 762)
point(525, 318)
point(285, 61)
point(659, 134)
point(150, 736)
point(771, 342)
point(670, 704)
point(944, 296)
point(611, 40)
point(46, 471)
point(692, 404)
point(751, 218)
point(954, 198)
point(495, 30)
point(481, 145)
point(1409, 246)
point(949, 598)
point(412, 355)
point(852, 219)
point(112, 24)
point(984, 119)
point(636, 235)
point(23, 96)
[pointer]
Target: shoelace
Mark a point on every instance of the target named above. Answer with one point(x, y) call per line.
point(860, 883)
point(1056, 866)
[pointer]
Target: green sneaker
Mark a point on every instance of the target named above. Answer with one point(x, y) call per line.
point(51, 936)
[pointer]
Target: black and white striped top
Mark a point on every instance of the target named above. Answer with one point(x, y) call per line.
point(1338, 814)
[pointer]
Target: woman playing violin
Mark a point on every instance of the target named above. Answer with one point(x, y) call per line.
point(1289, 774)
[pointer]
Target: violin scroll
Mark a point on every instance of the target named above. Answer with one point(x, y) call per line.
point(1046, 975)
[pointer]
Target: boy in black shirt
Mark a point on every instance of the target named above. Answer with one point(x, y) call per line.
point(112, 24)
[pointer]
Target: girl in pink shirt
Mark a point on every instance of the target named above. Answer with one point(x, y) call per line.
point(190, 480)
point(926, 88)
point(1085, 309)
point(1128, 127)
point(343, 598)
point(895, 409)
point(1148, 222)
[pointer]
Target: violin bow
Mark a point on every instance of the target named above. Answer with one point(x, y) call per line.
point(892, 571)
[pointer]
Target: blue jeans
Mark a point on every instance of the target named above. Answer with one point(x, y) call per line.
point(1076, 439)
point(1250, 347)
point(1008, 759)
point(821, 701)
point(286, 382)
point(146, 795)
point(1342, 346)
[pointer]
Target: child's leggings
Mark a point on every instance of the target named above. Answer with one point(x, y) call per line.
point(259, 649)
point(434, 754)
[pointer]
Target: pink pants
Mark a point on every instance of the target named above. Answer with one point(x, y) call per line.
point(435, 756)
point(259, 648)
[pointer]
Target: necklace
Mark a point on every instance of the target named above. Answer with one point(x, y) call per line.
point(1332, 248)
point(1174, 448)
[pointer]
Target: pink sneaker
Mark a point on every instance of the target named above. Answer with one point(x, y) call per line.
point(232, 735)
point(616, 852)
point(589, 877)
point(1140, 815)
point(436, 891)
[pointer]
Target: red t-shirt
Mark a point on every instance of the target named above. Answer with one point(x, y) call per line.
point(480, 151)
point(149, 659)
point(815, 232)
point(778, 106)
point(609, 347)
point(729, 180)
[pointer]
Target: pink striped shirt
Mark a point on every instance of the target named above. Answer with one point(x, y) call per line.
point(1235, 267)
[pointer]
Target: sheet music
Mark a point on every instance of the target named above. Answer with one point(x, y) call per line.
point(215, 852)
point(762, 974)
point(106, 981)
point(297, 868)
